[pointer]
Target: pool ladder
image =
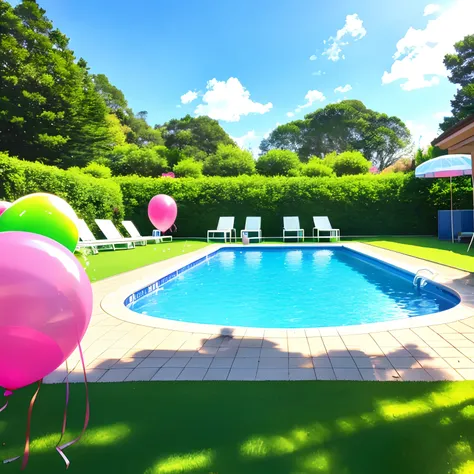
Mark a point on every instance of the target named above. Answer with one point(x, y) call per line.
point(420, 280)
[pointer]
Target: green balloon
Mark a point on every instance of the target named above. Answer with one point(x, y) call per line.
point(43, 214)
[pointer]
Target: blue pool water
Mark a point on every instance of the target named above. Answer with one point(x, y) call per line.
point(292, 288)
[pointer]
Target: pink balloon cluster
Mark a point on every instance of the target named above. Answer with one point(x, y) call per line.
point(162, 211)
point(45, 307)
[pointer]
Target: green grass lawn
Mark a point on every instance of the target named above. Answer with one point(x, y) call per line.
point(108, 263)
point(429, 248)
point(253, 427)
point(248, 427)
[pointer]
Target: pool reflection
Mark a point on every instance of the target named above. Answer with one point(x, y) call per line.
point(294, 259)
point(322, 258)
point(253, 259)
point(226, 259)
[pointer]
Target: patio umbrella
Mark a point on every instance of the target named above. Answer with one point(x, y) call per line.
point(447, 166)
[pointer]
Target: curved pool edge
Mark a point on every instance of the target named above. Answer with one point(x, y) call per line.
point(455, 281)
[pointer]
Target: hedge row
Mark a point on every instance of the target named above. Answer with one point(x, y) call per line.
point(358, 205)
point(90, 197)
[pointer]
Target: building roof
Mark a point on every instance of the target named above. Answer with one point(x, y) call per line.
point(460, 125)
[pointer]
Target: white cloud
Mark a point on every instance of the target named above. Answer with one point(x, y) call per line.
point(311, 97)
point(189, 97)
point(318, 73)
point(228, 101)
point(251, 142)
point(422, 133)
point(353, 27)
point(441, 115)
point(418, 61)
point(343, 89)
point(431, 8)
point(313, 57)
point(246, 139)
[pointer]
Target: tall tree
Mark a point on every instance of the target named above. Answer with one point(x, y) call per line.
point(49, 108)
point(285, 137)
point(384, 139)
point(202, 133)
point(336, 127)
point(137, 129)
point(90, 134)
point(113, 97)
point(347, 125)
point(461, 66)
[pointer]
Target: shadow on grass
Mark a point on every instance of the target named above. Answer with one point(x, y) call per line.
point(255, 427)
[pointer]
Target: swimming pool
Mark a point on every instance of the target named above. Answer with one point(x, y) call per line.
point(289, 288)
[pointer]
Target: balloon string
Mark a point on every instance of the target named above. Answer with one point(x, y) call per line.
point(60, 449)
point(65, 406)
point(7, 394)
point(26, 452)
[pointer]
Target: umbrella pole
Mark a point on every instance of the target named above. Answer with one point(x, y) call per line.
point(452, 226)
point(472, 181)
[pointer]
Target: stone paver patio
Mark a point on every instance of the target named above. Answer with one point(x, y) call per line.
point(116, 350)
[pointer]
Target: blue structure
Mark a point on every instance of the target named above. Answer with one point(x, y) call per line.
point(463, 221)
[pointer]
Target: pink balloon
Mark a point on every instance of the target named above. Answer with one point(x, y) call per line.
point(162, 211)
point(4, 205)
point(45, 307)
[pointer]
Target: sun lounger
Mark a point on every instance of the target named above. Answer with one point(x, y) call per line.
point(322, 224)
point(225, 227)
point(291, 225)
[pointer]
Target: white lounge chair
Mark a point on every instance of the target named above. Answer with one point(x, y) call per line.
point(161, 238)
point(253, 225)
point(225, 226)
point(292, 225)
point(111, 233)
point(133, 232)
point(87, 238)
point(322, 224)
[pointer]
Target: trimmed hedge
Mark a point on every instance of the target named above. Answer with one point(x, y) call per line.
point(358, 205)
point(90, 197)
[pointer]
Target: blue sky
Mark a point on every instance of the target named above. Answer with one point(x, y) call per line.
point(251, 64)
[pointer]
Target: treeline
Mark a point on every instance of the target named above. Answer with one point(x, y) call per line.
point(52, 110)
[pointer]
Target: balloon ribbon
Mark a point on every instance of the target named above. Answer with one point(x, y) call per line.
point(61, 448)
point(7, 393)
point(26, 452)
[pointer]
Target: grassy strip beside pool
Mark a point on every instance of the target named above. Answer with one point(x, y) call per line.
point(109, 263)
point(428, 248)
